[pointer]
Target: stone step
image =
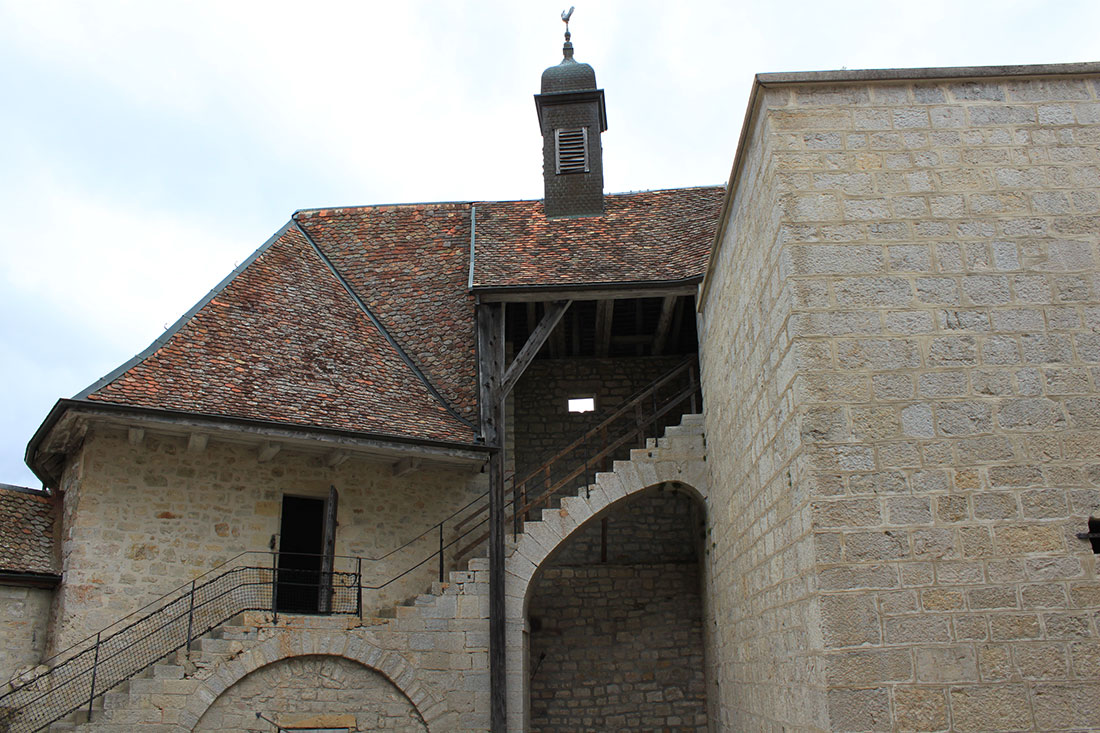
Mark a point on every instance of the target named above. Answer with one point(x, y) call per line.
point(166, 671)
point(215, 646)
point(235, 633)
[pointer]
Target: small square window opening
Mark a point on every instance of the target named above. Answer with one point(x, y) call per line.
point(582, 404)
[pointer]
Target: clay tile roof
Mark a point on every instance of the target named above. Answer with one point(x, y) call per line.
point(26, 534)
point(361, 319)
point(410, 265)
point(650, 236)
point(283, 341)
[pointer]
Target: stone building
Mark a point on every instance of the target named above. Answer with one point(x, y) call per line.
point(810, 451)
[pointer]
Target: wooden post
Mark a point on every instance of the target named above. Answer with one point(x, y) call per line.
point(490, 337)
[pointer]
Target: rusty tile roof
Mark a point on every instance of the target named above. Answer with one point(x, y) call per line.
point(360, 318)
point(26, 534)
point(649, 236)
point(410, 265)
point(283, 341)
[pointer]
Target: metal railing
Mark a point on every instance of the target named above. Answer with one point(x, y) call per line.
point(265, 581)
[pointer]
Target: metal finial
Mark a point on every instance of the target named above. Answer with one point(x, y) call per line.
point(567, 49)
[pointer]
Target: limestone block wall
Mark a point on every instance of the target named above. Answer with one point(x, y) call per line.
point(938, 242)
point(766, 634)
point(24, 616)
point(142, 519)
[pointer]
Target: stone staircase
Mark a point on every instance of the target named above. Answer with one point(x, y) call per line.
point(413, 647)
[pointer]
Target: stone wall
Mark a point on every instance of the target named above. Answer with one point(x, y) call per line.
point(542, 424)
point(936, 271)
point(140, 520)
point(313, 692)
point(765, 641)
point(623, 648)
point(24, 615)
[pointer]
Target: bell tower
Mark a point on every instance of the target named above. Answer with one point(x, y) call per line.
point(572, 118)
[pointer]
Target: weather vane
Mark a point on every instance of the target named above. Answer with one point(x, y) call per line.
point(565, 16)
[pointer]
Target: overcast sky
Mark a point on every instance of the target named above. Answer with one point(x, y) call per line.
point(148, 147)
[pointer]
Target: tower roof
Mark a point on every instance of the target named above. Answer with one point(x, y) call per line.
point(569, 75)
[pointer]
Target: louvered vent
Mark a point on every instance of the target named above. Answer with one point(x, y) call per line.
point(572, 150)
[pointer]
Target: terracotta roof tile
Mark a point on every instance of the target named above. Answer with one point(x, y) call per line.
point(642, 237)
point(410, 265)
point(26, 534)
point(283, 341)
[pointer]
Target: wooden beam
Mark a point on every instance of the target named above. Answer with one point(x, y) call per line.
point(196, 442)
point(663, 323)
point(531, 320)
point(336, 458)
point(136, 435)
point(628, 290)
point(490, 351)
point(268, 451)
point(406, 465)
point(605, 312)
point(538, 337)
point(557, 343)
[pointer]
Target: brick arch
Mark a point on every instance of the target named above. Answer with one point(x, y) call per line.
point(288, 644)
point(542, 539)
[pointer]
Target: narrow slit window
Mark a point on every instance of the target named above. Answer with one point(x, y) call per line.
point(582, 404)
point(572, 149)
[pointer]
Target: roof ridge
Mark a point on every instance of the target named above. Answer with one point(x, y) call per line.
point(391, 205)
point(413, 367)
point(182, 320)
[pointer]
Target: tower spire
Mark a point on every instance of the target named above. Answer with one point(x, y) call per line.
point(572, 118)
point(567, 49)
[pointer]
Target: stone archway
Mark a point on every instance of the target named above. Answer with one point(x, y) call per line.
point(300, 643)
point(615, 622)
point(311, 692)
point(677, 465)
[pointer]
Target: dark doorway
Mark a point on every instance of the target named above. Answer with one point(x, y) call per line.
point(301, 552)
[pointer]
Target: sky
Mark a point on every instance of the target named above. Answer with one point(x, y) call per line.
point(146, 148)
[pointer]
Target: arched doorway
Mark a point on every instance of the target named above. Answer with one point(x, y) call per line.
point(615, 619)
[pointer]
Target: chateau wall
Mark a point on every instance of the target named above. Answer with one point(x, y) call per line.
point(937, 242)
point(140, 520)
point(24, 614)
point(764, 645)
